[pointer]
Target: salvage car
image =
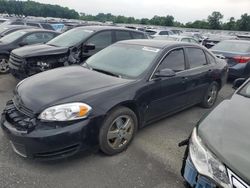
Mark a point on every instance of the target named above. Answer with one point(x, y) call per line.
point(237, 54)
point(218, 154)
point(12, 28)
point(21, 38)
point(71, 47)
point(106, 100)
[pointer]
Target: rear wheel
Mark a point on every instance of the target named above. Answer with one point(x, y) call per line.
point(117, 131)
point(4, 65)
point(211, 95)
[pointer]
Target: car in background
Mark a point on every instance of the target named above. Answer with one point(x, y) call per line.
point(61, 111)
point(71, 47)
point(157, 32)
point(12, 28)
point(177, 38)
point(218, 152)
point(213, 39)
point(21, 38)
point(196, 35)
point(33, 23)
point(2, 20)
point(237, 55)
point(176, 31)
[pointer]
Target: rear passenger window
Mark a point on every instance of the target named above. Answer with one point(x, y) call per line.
point(210, 58)
point(196, 57)
point(185, 40)
point(17, 23)
point(163, 33)
point(138, 35)
point(33, 24)
point(122, 35)
point(101, 40)
point(175, 60)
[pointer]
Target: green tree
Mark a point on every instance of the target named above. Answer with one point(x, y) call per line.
point(243, 23)
point(214, 20)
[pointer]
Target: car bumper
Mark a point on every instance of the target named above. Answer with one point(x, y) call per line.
point(194, 179)
point(237, 71)
point(46, 144)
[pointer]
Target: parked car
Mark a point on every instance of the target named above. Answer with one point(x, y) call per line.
point(72, 47)
point(33, 23)
point(237, 54)
point(219, 148)
point(58, 112)
point(158, 32)
point(196, 35)
point(213, 39)
point(177, 38)
point(12, 28)
point(21, 38)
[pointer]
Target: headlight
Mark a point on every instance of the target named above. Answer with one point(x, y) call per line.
point(206, 163)
point(66, 112)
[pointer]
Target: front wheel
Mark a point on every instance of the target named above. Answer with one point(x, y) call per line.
point(117, 131)
point(211, 95)
point(4, 65)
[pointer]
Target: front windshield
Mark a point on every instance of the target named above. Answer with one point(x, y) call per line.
point(70, 38)
point(13, 36)
point(232, 46)
point(245, 91)
point(123, 59)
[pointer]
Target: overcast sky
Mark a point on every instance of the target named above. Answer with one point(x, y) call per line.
point(182, 10)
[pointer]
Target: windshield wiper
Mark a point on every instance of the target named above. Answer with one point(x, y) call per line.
point(106, 72)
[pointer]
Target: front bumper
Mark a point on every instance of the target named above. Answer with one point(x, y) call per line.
point(194, 179)
point(53, 141)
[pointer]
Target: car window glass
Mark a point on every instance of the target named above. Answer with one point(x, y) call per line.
point(33, 24)
point(136, 35)
point(36, 38)
point(17, 23)
point(122, 35)
point(102, 39)
point(48, 36)
point(211, 59)
point(196, 57)
point(193, 41)
point(163, 33)
point(175, 60)
point(245, 91)
point(185, 40)
point(47, 26)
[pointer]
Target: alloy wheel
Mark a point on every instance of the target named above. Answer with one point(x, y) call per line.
point(212, 94)
point(4, 66)
point(120, 132)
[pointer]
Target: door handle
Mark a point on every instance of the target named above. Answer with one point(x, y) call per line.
point(184, 79)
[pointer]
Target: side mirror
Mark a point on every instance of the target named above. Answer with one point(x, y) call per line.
point(165, 73)
point(238, 82)
point(88, 47)
point(23, 43)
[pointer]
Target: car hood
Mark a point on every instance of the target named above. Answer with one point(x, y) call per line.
point(226, 132)
point(39, 50)
point(63, 85)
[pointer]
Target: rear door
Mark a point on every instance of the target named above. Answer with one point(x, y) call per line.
point(122, 35)
point(199, 74)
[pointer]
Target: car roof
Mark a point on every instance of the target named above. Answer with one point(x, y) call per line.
point(156, 43)
point(237, 41)
point(38, 30)
point(99, 28)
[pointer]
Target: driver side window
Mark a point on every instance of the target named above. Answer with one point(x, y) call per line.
point(101, 40)
point(175, 60)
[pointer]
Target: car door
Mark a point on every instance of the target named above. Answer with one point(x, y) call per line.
point(171, 94)
point(101, 40)
point(199, 76)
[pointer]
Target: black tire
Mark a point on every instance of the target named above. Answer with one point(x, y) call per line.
point(4, 67)
point(110, 128)
point(208, 100)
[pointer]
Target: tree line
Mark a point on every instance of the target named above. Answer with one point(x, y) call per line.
point(32, 8)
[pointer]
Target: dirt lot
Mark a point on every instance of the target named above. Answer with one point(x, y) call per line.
point(153, 159)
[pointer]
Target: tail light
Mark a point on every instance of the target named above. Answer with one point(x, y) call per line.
point(241, 59)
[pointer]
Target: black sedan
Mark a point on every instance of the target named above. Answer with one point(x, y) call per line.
point(105, 101)
point(219, 148)
point(21, 38)
point(237, 55)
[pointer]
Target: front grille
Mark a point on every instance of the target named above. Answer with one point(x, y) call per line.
point(15, 61)
point(17, 119)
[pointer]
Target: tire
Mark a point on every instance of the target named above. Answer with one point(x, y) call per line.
point(210, 96)
point(117, 131)
point(4, 66)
